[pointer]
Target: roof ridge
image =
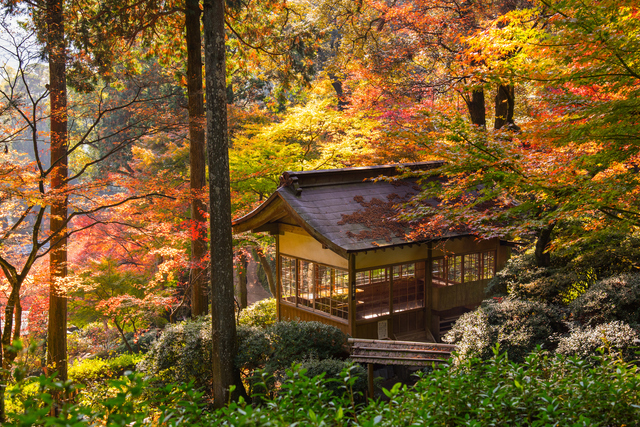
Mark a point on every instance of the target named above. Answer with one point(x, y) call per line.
point(316, 178)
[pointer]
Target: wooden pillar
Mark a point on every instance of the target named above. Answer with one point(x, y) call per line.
point(278, 279)
point(390, 322)
point(370, 379)
point(428, 282)
point(352, 294)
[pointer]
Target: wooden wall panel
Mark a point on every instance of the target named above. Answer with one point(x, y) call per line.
point(464, 294)
point(380, 257)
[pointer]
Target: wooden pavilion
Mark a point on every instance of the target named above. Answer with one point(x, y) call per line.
point(343, 258)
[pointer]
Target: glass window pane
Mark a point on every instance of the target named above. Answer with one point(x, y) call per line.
point(323, 288)
point(340, 296)
point(408, 292)
point(372, 294)
point(308, 272)
point(438, 272)
point(288, 279)
point(488, 264)
point(454, 269)
point(471, 267)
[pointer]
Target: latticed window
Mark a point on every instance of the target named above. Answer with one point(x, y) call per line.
point(454, 269)
point(372, 294)
point(438, 274)
point(319, 287)
point(288, 279)
point(488, 264)
point(340, 296)
point(408, 287)
point(463, 268)
point(471, 267)
point(323, 288)
point(308, 278)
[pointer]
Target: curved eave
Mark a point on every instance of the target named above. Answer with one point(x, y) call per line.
point(269, 211)
point(325, 241)
point(274, 208)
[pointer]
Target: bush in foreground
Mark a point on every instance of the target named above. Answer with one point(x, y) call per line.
point(540, 391)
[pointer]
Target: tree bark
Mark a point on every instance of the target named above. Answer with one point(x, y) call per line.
point(475, 105)
point(57, 331)
point(124, 338)
point(504, 106)
point(542, 255)
point(242, 281)
point(197, 276)
point(18, 320)
point(223, 327)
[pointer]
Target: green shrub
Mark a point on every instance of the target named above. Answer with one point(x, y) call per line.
point(96, 370)
point(617, 338)
point(126, 403)
point(574, 267)
point(540, 391)
point(92, 338)
point(261, 314)
point(522, 279)
point(295, 341)
point(614, 298)
point(518, 326)
point(253, 348)
point(332, 370)
point(183, 352)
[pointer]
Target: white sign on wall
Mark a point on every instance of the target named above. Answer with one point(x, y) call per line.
point(383, 329)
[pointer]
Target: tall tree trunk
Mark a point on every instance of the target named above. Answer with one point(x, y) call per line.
point(199, 293)
point(10, 312)
point(7, 357)
point(337, 86)
point(18, 320)
point(542, 255)
point(223, 327)
point(242, 280)
point(57, 333)
point(475, 105)
point(505, 103)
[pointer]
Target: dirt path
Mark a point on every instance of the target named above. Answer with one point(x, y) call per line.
point(255, 291)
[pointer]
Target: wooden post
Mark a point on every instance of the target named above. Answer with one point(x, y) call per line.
point(370, 378)
point(352, 294)
point(390, 324)
point(428, 281)
point(278, 294)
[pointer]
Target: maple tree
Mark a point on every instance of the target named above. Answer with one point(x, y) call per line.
point(572, 168)
point(31, 191)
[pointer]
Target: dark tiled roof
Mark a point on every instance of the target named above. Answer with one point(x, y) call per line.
point(348, 208)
